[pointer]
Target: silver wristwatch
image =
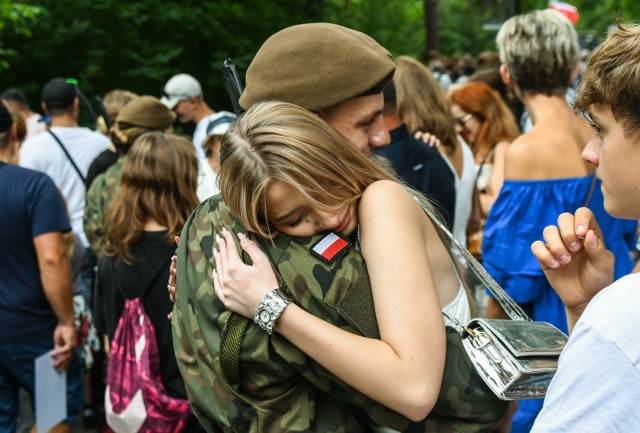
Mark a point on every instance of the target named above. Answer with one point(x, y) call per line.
point(269, 309)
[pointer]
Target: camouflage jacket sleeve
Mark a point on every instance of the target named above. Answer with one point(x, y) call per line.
point(99, 196)
point(280, 388)
point(272, 396)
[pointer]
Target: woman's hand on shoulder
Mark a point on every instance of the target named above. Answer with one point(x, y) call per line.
point(241, 287)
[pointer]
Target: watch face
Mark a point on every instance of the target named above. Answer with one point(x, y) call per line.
point(264, 316)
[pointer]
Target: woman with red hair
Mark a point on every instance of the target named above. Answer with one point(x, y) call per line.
point(488, 126)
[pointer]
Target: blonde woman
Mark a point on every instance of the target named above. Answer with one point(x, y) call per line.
point(286, 172)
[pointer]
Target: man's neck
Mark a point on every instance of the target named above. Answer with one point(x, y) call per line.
point(202, 111)
point(7, 154)
point(64, 120)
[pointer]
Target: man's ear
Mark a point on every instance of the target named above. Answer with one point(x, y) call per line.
point(14, 132)
point(506, 77)
point(44, 107)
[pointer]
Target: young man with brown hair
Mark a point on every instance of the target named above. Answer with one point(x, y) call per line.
point(597, 385)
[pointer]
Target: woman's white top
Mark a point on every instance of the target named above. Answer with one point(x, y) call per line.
point(459, 309)
point(464, 191)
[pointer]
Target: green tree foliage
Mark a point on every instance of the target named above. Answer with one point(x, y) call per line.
point(139, 44)
point(14, 20)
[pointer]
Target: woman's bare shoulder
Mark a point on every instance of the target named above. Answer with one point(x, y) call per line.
point(385, 191)
point(387, 200)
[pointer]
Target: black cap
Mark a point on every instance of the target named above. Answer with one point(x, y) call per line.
point(58, 93)
point(5, 119)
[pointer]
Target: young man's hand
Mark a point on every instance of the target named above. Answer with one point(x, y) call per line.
point(575, 260)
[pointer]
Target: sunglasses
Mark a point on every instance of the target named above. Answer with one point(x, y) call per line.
point(464, 119)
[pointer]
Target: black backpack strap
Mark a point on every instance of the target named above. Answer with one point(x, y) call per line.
point(66, 152)
point(157, 274)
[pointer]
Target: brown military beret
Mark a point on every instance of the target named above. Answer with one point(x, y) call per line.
point(146, 112)
point(316, 66)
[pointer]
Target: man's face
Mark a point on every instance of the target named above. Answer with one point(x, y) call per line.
point(184, 109)
point(617, 158)
point(360, 121)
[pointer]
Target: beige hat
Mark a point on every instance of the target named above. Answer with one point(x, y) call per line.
point(316, 66)
point(146, 112)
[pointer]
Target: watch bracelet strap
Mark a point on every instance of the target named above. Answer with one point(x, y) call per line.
point(231, 343)
point(269, 296)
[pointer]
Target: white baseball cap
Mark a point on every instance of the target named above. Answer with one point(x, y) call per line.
point(178, 88)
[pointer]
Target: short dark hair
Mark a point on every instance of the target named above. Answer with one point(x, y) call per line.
point(390, 97)
point(15, 95)
point(58, 95)
point(6, 122)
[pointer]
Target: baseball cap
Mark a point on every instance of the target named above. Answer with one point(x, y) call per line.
point(178, 88)
point(317, 66)
point(59, 93)
point(220, 122)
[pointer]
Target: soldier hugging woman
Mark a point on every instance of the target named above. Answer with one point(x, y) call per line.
point(348, 339)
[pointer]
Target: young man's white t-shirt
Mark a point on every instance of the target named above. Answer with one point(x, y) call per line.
point(43, 153)
point(597, 386)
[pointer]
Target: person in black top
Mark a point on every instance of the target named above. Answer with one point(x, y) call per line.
point(156, 195)
point(418, 164)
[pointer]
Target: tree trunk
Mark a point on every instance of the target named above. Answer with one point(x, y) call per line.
point(431, 25)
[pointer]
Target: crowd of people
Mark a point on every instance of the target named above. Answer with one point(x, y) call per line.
point(313, 288)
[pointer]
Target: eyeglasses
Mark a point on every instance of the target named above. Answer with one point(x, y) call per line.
point(464, 119)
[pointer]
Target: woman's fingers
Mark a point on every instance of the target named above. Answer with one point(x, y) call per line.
point(217, 286)
point(258, 257)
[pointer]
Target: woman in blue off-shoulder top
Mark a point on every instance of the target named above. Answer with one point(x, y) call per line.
point(545, 174)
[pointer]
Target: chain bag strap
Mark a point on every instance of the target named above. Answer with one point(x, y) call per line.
point(513, 310)
point(516, 358)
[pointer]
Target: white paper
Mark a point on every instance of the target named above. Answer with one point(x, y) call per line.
point(51, 393)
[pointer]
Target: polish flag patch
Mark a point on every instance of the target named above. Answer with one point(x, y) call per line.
point(330, 247)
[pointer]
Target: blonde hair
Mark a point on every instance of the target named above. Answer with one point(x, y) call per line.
point(422, 104)
point(276, 141)
point(540, 50)
point(158, 182)
point(612, 76)
point(113, 102)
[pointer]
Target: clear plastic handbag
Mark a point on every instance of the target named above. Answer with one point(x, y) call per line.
point(516, 358)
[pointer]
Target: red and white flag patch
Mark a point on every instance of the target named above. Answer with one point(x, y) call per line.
point(330, 247)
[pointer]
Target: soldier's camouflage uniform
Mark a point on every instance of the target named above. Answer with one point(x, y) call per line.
point(275, 388)
point(99, 196)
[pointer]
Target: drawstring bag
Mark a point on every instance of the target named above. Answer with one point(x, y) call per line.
point(135, 398)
